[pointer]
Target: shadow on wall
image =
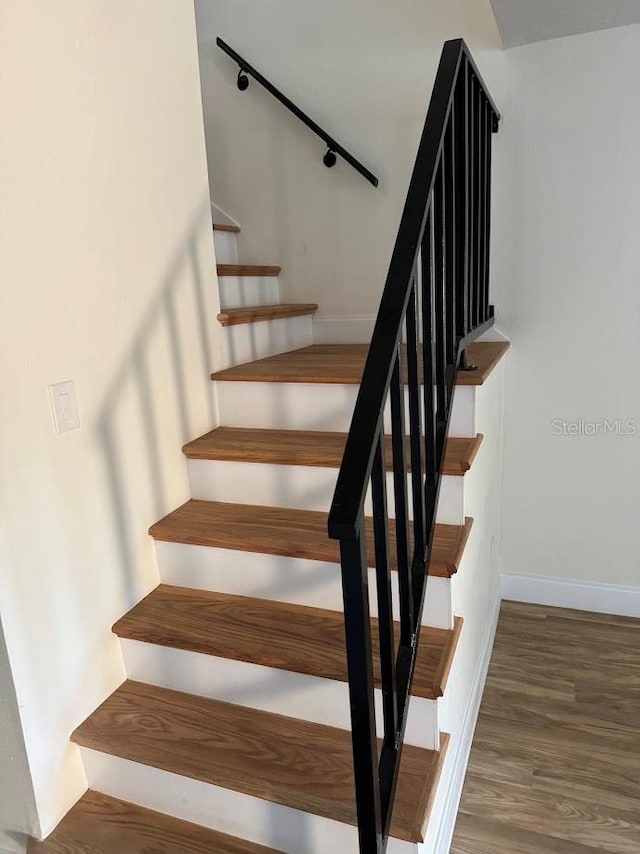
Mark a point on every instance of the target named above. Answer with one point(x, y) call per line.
point(17, 803)
point(154, 404)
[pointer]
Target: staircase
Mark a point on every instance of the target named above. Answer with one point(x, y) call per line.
point(238, 725)
point(234, 721)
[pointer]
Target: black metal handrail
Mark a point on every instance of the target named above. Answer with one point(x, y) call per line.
point(333, 148)
point(436, 299)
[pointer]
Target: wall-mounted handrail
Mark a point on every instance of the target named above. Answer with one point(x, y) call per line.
point(435, 302)
point(333, 148)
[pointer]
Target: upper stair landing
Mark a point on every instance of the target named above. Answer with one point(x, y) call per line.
point(280, 392)
point(342, 364)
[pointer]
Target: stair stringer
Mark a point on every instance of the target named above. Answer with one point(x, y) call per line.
point(476, 598)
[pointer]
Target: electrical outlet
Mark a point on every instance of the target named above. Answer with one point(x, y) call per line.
point(64, 406)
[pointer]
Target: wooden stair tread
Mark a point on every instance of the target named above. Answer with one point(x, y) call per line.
point(292, 762)
point(248, 270)
point(220, 226)
point(257, 313)
point(343, 364)
point(99, 824)
point(275, 634)
point(307, 448)
point(290, 533)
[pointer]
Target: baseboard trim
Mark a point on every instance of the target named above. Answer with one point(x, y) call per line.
point(460, 758)
point(566, 593)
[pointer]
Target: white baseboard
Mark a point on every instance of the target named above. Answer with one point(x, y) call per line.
point(460, 759)
point(566, 593)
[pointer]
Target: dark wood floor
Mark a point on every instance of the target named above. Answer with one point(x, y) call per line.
point(555, 762)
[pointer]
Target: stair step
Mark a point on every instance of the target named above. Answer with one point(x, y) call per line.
point(307, 448)
point(343, 364)
point(257, 313)
point(98, 824)
point(248, 270)
point(289, 533)
point(273, 634)
point(287, 761)
point(235, 229)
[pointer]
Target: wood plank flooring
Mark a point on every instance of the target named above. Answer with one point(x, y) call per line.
point(555, 762)
point(273, 634)
point(289, 533)
point(98, 824)
point(287, 761)
point(343, 364)
point(308, 448)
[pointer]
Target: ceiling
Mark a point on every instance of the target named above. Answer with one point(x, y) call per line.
point(525, 21)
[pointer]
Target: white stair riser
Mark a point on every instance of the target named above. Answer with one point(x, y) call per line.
point(315, 406)
point(236, 291)
point(288, 830)
point(283, 579)
point(246, 342)
point(322, 701)
point(226, 246)
point(301, 487)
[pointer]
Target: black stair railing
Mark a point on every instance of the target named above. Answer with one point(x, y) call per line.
point(334, 149)
point(435, 302)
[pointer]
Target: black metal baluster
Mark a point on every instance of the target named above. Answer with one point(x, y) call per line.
point(462, 200)
point(477, 202)
point(487, 201)
point(415, 425)
point(355, 590)
point(396, 393)
point(482, 209)
point(450, 240)
point(385, 601)
point(428, 365)
point(471, 198)
point(438, 293)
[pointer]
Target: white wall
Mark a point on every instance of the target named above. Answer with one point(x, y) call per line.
point(17, 805)
point(107, 271)
point(365, 72)
point(572, 308)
